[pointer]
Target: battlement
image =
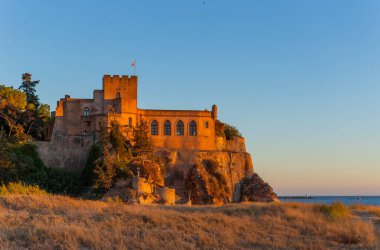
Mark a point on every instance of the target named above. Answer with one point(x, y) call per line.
point(117, 77)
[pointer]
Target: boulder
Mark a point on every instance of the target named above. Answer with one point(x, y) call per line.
point(255, 189)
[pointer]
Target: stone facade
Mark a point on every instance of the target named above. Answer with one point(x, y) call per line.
point(117, 101)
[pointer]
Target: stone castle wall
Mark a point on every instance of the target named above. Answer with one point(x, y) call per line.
point(66, 152)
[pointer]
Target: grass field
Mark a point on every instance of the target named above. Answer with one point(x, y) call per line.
point(43, 221)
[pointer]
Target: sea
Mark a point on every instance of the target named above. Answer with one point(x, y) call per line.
point(348, 200)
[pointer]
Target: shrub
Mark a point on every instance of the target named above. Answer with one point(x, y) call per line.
point(231, 131)
point(20, 188)
point(27, 167)
point(219, 128)
point(60, 181)
point(226, 130)
point(337, 210)
point(88, 176)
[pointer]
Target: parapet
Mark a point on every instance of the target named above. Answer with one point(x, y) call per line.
point(109, 78)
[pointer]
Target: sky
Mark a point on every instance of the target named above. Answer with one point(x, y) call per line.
point(300, 79)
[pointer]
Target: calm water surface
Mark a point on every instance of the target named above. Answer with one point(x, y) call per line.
point(348, 200)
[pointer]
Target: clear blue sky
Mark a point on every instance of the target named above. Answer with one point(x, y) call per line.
point(300, 79)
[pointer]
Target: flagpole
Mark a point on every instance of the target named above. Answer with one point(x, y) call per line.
point(134, 67)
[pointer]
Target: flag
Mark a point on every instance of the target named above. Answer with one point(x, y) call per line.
point(133, 63)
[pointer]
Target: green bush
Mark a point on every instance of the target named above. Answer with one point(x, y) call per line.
point(27, 167)
point(231, 131)
point(20, 188)
point(88, 176)
point(60, 181)
point(226, 130)
point(337, 210)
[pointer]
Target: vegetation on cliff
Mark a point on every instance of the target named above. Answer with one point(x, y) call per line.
point(226, 130)
point(207, 184)
point(116, 156)
point(59, 222)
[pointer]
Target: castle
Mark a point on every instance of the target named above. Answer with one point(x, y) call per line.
point(117, 101)
point(181, 138)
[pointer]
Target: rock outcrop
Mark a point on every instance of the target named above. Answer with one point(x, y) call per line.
point(255, 189)
point(207, 184)
point(187, 172)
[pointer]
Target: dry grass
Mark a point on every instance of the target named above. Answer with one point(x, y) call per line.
point(57, 222)
point(20, 188)
point(372, 209)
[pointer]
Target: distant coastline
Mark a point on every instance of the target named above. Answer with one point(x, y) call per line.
point(348, 200)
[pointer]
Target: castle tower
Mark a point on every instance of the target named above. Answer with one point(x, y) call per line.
point(123, 92)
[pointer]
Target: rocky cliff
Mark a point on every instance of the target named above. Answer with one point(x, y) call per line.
point(189, 172)
point(232, 178)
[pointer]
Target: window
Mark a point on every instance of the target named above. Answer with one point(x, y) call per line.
point(167, 128)
point(180, 128)
point(86, 111)
point(154, 128)
point(130, 121)
point(193, 128)
point(118, 95)
point(206, 124)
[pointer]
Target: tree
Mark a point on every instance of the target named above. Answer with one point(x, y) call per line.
point(36, 114)
point(118, 140)
point(37, 121)
point(29, 88)
point(6, 165)
point(142, 144)
point(12, 107)
point(44, 112)
point(105, 171)
point(11, 98)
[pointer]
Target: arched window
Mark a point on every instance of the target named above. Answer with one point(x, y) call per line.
point(86, 111)
point(154, 128)
point(180, 128)
point(167, 128)
point(206, 124)
point(193, 128)
point(130, 121)
point(118, 95)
